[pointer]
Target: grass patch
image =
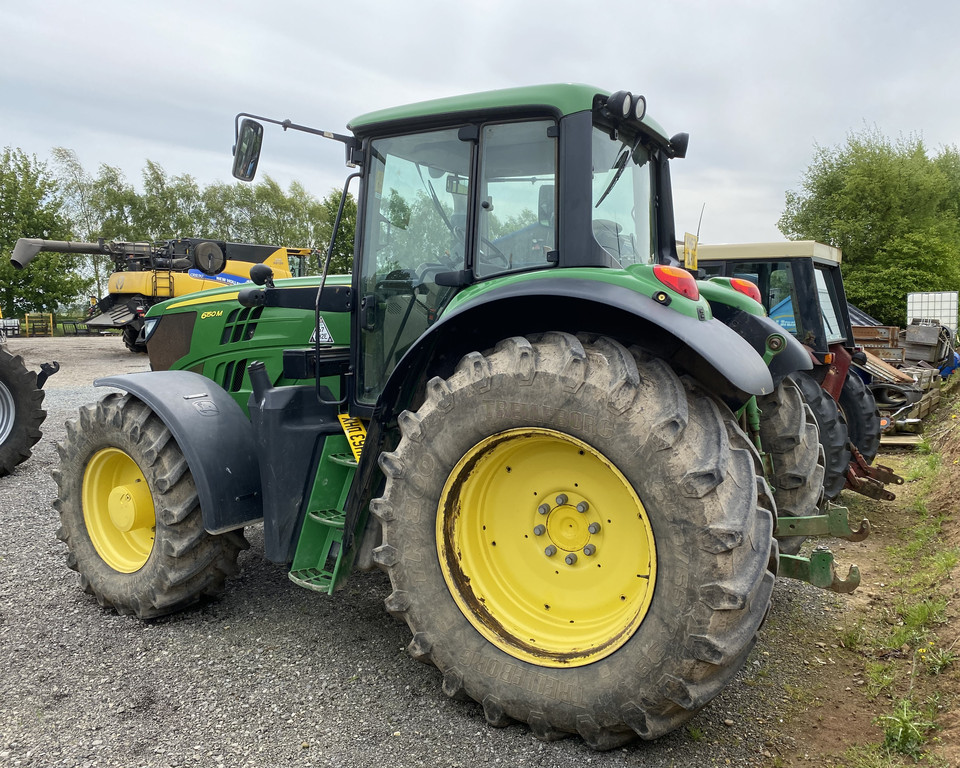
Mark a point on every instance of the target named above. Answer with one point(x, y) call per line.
point(906, 729)
point(880, 677)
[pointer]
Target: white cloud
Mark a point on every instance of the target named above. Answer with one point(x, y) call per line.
point(756, 84)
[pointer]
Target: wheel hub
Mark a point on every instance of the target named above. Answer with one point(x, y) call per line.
point(546, 547)
point(568, 528)
point(128, 509)
point(118, 510)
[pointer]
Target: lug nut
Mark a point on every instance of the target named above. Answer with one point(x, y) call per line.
point(539, 530)
point(543, 509)
point(594, 527)
point(570, 559)
point(550, 551)
point(582, 507)
point(589, 550)
point(561, 499)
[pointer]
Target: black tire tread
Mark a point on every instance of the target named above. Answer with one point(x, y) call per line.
point(789, 433)
point(859, 408)
point(833, 434)
point(130, 334)
point(27, 415)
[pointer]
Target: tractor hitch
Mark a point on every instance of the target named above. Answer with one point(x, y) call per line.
point(819, 570)
point(870, 480)
point(834, 523)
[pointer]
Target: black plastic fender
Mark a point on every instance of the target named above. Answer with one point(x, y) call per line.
point(215, 436)
point(705, 348)
point(756, 329)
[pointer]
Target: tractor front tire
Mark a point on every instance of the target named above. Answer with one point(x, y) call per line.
point(789, 434)
point(130, 515)
point(21, 413)
point(859, 410)
point(833, 434)
point(577, 538)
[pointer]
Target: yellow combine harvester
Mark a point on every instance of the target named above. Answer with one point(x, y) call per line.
point(147, 273)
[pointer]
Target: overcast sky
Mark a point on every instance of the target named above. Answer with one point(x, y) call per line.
point(756, 84)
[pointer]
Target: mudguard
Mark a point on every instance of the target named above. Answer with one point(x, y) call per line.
point(215, 436)
point(705, 348)
point(756, 329)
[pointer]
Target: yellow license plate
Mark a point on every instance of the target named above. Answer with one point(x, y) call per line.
point(356, 433)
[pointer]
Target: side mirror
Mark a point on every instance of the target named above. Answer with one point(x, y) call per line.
point(246, 152)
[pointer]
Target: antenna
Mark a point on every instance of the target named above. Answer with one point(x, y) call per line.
point(700, 220)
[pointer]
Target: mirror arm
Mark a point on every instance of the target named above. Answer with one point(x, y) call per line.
point(350, 141)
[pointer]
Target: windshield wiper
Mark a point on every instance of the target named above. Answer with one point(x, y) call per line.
point(620, 164)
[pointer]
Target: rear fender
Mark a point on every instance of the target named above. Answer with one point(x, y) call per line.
point(709, 351)
point(215, 436)
point(705, 348)
point(764, 334)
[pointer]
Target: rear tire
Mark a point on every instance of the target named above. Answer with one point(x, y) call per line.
point(130, 515)
point(833, 434)
point(788, 432)
point(21, 413)
point(859, 409)
point(629, 639)
point(130, 335)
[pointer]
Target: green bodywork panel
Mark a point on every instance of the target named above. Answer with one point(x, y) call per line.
point(564, 98)
point(639, 278)
point(718, 289)
point(227, 337)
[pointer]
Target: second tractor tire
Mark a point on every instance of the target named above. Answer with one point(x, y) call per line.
point(859, 408)
point(833, 434)
point(789, 433)
point(130, 515)
point(130, 335)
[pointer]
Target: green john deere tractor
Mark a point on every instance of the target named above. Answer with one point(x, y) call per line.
point(519, 406)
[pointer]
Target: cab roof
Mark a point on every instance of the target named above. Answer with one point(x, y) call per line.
point(563, 98)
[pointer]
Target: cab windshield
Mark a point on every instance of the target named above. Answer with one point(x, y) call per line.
point(422, 192)
point(622, 198)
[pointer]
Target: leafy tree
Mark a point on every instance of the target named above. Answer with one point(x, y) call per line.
point(341, 262)
point(892, 209)
point(170, 207)
point(107, 206)
point(81, 205)
point(31, 207)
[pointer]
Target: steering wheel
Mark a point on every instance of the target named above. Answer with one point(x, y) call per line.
point(493, 253)
point(397, 281)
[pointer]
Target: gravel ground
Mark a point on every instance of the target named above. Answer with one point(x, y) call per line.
point(274, 675)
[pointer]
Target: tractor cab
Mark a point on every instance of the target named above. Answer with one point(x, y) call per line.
point(800, 287)
point(458, 195)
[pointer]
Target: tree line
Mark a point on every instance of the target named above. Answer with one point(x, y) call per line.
point(61, 200)
point(891, 206)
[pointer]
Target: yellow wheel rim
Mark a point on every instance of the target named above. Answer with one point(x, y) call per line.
point(546, 547)
point(118, 510)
